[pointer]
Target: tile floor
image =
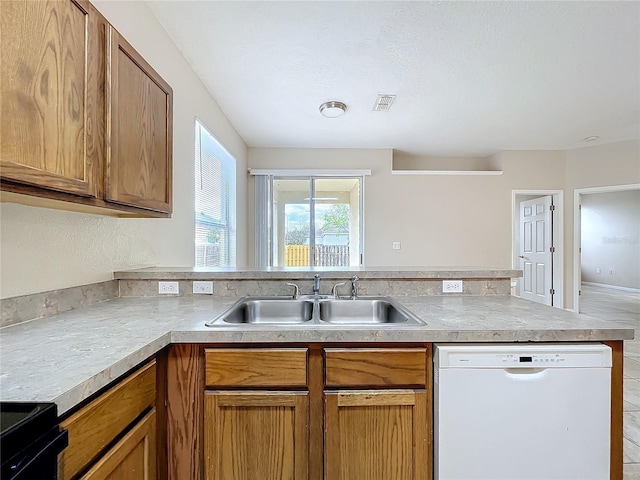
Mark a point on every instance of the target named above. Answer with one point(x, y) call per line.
point(622, 307)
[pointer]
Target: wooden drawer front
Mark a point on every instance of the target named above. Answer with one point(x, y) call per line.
point(133, 457)
point(256, 367)
point(372, 367)
point(94, 426)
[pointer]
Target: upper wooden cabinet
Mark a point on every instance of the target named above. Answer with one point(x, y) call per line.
point(138, 169)
point(86, 122)
point(51, 107)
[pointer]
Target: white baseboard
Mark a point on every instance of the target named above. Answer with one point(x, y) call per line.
point(614, 287)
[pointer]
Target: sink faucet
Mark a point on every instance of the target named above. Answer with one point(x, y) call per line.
point(296, 289)
point(354, 287)
point(316, 284)
point(334, 290)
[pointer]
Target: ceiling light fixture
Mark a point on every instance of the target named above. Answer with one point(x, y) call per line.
point(592, 138)
point(333, 109)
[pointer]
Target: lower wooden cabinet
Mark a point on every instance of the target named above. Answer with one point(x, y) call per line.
point(251, 435)
point(299, 412)
point(114, 435)
point(376, 435)
point(132, 458)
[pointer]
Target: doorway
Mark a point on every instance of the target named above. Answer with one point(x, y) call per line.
point(579, 195)
point(537, 245)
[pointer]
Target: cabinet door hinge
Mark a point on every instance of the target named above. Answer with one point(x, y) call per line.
point(579, 292)
point(552, 291)
point(552, 208)
point(552, 249)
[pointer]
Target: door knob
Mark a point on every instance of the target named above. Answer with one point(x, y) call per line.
point(521, 256)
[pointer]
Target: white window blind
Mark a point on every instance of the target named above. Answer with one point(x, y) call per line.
point(263, 201)
point(215, 202)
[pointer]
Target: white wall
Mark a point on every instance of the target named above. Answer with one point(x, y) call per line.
point(599, 166)
point(451, 220)
point(610, 238)
point(439, 220)
point(42, 249)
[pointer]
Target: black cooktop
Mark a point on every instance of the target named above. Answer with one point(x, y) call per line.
point(30, 440)
point(23, 423)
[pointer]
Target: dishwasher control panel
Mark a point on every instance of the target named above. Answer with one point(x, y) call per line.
point(523, 356)
point(529, 359)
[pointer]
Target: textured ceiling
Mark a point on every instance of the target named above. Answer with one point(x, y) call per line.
point(472, 78)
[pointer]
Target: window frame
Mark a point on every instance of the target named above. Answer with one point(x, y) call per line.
point(228, 201)
point(263, 251)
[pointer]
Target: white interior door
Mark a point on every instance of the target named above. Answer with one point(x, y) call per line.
point(536, 256)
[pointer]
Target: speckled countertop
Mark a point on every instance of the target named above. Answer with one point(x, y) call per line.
point(68, 357)
point(295, 273)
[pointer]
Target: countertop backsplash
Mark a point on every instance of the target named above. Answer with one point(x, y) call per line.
point(238, 282)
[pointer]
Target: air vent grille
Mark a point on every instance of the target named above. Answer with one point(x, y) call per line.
point(384, 102)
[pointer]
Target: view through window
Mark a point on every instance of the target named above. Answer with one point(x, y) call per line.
point(215, 202)
point(316, 221)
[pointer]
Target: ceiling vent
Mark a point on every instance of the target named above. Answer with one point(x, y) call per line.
point(384, 102)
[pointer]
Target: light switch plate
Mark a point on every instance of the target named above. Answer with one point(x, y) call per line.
point(452, 286)
point(202, 288)
point(395, 245)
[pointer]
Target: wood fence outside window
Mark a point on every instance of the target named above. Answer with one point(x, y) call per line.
point(324, 255)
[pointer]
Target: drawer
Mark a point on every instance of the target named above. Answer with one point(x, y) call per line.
point(135, 453)
point(375, 367)
point(256, 367)
point(97, 424)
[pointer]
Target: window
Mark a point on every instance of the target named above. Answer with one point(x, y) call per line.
point(308, 220)
point(215, 206)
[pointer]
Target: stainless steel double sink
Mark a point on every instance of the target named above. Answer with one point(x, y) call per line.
point(316, 310)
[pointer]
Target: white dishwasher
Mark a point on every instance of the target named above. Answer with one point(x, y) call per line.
point(522, 412)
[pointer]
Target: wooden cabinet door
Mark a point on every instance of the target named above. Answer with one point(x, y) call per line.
point(376, 435)
point(132, 458)
point(256, 435)
point(101, 421)
point(139, 124)
point(52, 77)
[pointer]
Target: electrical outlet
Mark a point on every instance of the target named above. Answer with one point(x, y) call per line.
point(205, 288)
point(452, 286)
point(395, 245)
point(598, 270)
point(168, 288)
point(610, 272)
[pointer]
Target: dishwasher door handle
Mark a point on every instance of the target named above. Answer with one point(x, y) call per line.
point(526, 373)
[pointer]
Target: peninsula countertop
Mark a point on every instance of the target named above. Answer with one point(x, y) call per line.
point(67, 357)
point(295, 273)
